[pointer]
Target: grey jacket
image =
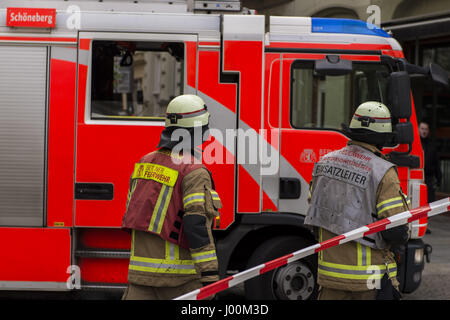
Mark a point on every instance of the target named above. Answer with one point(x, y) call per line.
point(345, 193)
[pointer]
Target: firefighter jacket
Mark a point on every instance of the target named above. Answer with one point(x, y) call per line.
point(170, 211)
point(353, 187)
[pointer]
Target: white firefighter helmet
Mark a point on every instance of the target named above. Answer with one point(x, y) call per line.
point(187, 111)
point(373, 116)
point(372, 123)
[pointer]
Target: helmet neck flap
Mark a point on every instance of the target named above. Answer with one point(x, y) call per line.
point(380, 140)
point(186, 138)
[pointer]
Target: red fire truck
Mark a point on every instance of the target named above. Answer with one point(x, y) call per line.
point(83, 87)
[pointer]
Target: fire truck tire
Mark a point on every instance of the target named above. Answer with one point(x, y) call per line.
point(295, 281)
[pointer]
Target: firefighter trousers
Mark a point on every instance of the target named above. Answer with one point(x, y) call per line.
point(333, 294)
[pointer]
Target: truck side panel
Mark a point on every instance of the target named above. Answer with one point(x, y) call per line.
point(61, 137)
point(35, 259)
point(221, 100)
point(239, 49)
point(271, 117)
point(106, 152)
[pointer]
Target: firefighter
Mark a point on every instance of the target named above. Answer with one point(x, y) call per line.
point(171, 206)
point(353, 187)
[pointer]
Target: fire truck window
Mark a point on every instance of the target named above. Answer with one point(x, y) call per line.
point(133, 80)
point(328, 101)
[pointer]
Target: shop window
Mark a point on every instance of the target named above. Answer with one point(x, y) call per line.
point(437, 54)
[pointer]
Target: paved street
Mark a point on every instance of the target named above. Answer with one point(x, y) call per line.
point(436, 276)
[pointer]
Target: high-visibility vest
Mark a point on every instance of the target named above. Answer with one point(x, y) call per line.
point(155, 199)
point(345, 193)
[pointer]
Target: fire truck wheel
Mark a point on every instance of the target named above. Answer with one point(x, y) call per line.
point(295, 281)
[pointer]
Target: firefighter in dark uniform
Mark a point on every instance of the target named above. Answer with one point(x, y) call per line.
point(171, 208)
point(353, 187)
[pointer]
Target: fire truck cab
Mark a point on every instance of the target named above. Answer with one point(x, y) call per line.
point(83, 91)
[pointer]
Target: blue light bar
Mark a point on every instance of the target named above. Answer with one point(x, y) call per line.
point(332, 25)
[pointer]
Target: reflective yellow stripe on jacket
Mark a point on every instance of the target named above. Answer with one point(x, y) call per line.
point(131, 191)
point(364, 255)
point(215, 195)
point(356, 272)
point(193, 197)
point(391, 204)
point(160, 210)
point(171, 264)
point(364, 270)
point(204, 256)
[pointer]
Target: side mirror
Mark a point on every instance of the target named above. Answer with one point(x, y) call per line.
point(333, 66)
point(399, 95)
point(438, 74)
point(405, 133)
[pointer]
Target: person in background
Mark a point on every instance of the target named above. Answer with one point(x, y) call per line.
point(431, 161)
point(432, 166)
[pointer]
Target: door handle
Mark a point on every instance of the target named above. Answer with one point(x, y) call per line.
point(94, 191)
point(290, 188)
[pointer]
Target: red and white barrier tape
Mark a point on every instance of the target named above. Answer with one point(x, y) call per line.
point(428, 210)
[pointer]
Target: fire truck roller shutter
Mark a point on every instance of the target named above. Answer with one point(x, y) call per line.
point(23, 87)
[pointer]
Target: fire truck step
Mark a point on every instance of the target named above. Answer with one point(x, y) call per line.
point(106, 286)
point(122, 254)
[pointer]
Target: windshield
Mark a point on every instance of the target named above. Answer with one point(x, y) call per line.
point(328, 101)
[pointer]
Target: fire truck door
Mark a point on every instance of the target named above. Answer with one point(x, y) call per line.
point(302, 141)
point(124, 84)
point(23, 110)
point(293, 188)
